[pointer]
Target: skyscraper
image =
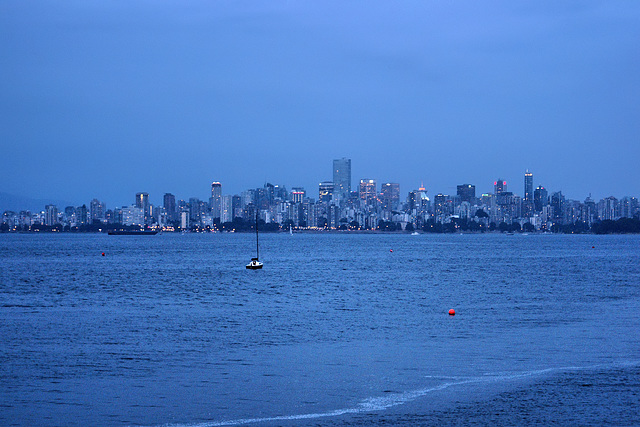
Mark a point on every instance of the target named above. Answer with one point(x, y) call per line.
point(499, 186)
point(169, 203)
point(368, 191)
point(540, 198)
point(390, 196)
point(528, 186)
point(467, 192)
point(527, 203)
point(142, 202)
point(97, 210)
point(325, 191)
point(342, 178)
point(216, 199)
point(297, 194)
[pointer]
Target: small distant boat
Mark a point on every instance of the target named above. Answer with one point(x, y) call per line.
point(255, 263)
point(132, 233)
point(415, 233)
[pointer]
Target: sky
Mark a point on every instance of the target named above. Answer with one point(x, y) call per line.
point(106, 99)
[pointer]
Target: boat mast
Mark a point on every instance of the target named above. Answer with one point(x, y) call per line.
point(257, 247)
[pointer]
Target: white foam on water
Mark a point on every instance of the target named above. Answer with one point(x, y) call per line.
point(373, 404)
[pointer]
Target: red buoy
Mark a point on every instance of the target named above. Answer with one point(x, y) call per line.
point(102, 253)
point(452, 312)
point(390, 250)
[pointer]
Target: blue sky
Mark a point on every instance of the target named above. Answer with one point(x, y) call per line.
point(105, 99)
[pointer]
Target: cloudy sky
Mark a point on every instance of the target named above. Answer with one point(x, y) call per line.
point(105, 99)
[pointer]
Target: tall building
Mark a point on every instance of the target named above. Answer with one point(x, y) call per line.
point(142, 202)
point(540, 198)
point(132, 215)
point(467, 192)
point(325, 191)
point(97, 210)
point(342, 178)
point(499, 186)
point(528, 186)
point(169, 204)
point(390, 192)
point(226, 210)
point(50, 215)
point(557, 203)
point(297, 194)
point(527, 202)
point(216, 199)
point(368, 191)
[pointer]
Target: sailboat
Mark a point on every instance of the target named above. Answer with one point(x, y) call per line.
point(255, 263)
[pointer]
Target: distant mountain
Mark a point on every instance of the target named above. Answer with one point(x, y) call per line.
point(11, 202)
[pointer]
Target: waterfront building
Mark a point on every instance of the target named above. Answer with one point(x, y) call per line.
point(184, 220)
point(142, 202)
point(342, 179)
point(236, 206)
point(589, 211)
point(132, 215)
point(608, 208)
point(440, 207)
point(97, 211)
point(169, 204)
point(82, 215)
point(628, 207)
point(215, 200)
point(226, 209)
point(196, 209)
point(50, 215)
point(557, 204)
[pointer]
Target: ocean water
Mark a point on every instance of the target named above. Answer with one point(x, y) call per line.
point(337, 329)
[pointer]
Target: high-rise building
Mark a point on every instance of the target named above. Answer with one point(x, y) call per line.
point(528, 186)
point(226, 210)
point(467, 192)
point(132, 215)
point(50, 215)
point(97, 210)
point(540, 198)
point(527, 202)
point(82, 215)
point(368, 191)
point(216, 199)
point(169, 204)
point(557, 203)
point(142, 202)
point(499, 186)
point(297, 194)
point(390, 192)
point(342, 178)
point(325, 191)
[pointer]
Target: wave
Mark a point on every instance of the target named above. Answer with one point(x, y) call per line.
point(374, 404)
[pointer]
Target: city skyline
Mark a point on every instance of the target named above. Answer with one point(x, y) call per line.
point(368, 207)
point(108, 100)
point(217, 189)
